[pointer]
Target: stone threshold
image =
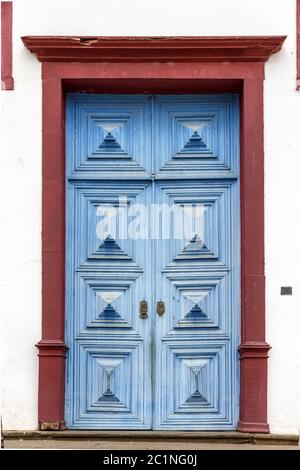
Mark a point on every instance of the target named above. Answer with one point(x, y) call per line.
point(226, 437)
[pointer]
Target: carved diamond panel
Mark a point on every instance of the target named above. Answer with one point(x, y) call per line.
point(196, 132)
point(106, 301)
point(106, 375)
point(194, 374)
point(198, 224)
point(111, 382)
point(110, 135)
point(198, 381)
point(198, 301)
point(103, 215)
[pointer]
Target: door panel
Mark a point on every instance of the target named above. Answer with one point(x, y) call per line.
point(196, 134)
point(110, 376)
point(152, 217)
point(107, 137)
point(197, 268)
point(108, 273)
point(196, 338)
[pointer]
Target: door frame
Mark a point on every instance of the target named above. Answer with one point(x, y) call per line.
point(154, 65)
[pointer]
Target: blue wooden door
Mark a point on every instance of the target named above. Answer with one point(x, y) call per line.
point(152, 261)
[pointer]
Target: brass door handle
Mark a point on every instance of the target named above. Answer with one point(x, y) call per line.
point(143, 309)
point(160, 308)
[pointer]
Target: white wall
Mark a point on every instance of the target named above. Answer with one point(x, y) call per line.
point(22, 178)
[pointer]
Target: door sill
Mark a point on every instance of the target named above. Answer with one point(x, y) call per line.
point(175, 436)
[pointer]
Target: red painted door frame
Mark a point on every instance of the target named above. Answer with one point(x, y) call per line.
point(202, 71)
point(7, 81)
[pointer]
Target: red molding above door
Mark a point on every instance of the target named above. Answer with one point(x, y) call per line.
point(7, 81)
point(185, 65)
point(151, 49)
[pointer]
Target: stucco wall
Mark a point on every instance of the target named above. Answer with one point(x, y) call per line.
point(21, 140)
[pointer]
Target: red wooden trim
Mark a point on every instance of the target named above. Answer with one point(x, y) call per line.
point(52, 359)
point(298, 43)
point(52, 348)
point(158, 70)
point(150, 49)
point(253, 348)
point(254, 384)
point(7, 81)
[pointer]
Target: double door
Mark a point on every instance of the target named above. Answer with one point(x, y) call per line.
point(152, 264)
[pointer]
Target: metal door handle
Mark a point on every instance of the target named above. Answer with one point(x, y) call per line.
point(160, 308)
point(143, 309)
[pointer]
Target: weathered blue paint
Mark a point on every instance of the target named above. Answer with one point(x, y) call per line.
point(177, 370)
